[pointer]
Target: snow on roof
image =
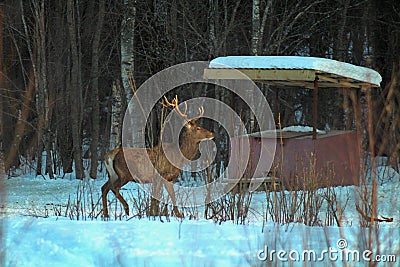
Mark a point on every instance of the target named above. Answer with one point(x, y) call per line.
point(298, 62)
point(277, 132)
point(301, 129)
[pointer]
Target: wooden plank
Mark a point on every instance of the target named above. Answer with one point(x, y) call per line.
point(261, 74)
point(339, 81)
point(286, 83)
point(324, 84)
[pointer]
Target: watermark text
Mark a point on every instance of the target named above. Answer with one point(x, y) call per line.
point(338, 253)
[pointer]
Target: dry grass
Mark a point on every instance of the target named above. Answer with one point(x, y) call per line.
point(311, 205)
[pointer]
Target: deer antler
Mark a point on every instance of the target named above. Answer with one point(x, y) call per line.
point(167, 104)
point(201, 110)
point(174, 104)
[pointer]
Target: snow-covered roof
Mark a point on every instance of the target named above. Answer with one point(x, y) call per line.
point(294, 70)
point(286, 132)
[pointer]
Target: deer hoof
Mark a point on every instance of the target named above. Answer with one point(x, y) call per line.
point(177, 213)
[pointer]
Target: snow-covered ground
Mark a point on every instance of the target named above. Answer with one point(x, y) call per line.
point(34, 236)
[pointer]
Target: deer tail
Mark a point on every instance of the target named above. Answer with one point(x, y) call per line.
point(109, 162)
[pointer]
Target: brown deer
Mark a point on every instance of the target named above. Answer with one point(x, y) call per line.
point(118, 171)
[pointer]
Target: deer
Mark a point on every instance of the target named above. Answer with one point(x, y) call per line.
point(116, 161)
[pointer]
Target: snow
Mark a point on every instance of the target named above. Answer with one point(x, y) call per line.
point(292, 128)
point(387, 173)
point(130, 243)
point(34, 236)
point(298, 62)
point(52, 242)
point(301, 129)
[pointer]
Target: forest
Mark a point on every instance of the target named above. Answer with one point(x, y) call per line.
point(66, 66)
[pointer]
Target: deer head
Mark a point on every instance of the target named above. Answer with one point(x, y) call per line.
point(191, 131)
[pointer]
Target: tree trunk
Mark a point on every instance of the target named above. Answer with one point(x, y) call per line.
point(255, 38)
point(127, 46)
point(59, 82)
point(94, 145)
point(122, 96)
point(116, 116)
point(76, 96)
point(21, 122)
point(3, 189)
point(44, 106)
point(127, 69)
point(2, 169)
point(212, 35)
point(37, 53)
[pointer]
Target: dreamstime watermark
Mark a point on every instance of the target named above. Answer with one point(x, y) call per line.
point(149, 95)
point(339, 253)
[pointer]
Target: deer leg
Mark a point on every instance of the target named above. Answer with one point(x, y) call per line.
point(155, 200)
point(121, 199)
point(170, 189)
point(104, 191)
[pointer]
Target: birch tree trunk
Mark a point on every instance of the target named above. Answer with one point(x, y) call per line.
point(127, 45)
point(94, 145)
point(255, 38)
point(127, 69)
point(212, 35)
point(116, 116)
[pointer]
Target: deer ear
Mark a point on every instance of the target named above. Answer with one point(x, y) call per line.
point(190, 124)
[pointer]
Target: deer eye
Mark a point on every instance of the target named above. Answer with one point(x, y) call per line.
point(198, 127)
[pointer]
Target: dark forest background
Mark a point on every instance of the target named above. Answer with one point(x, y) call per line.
point(66, 66)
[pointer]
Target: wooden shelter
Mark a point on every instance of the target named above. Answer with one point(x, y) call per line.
point(334, 156)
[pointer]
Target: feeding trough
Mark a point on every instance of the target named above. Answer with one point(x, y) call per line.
point(334, 156)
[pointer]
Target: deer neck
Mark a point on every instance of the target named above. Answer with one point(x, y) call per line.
point(188, 147)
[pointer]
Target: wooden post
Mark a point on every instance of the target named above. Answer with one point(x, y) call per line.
point(370, 126)
point(276, 107)
point(357, 111)
point(371, 142)
point(315, 108)
point(357, 117)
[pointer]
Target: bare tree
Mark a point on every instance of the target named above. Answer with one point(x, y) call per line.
point(127, 37)
point(75, 87)
point(94, 145)
point(37, 51)
point(127, 45)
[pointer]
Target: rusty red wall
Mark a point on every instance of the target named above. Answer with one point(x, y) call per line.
point(336, 159)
